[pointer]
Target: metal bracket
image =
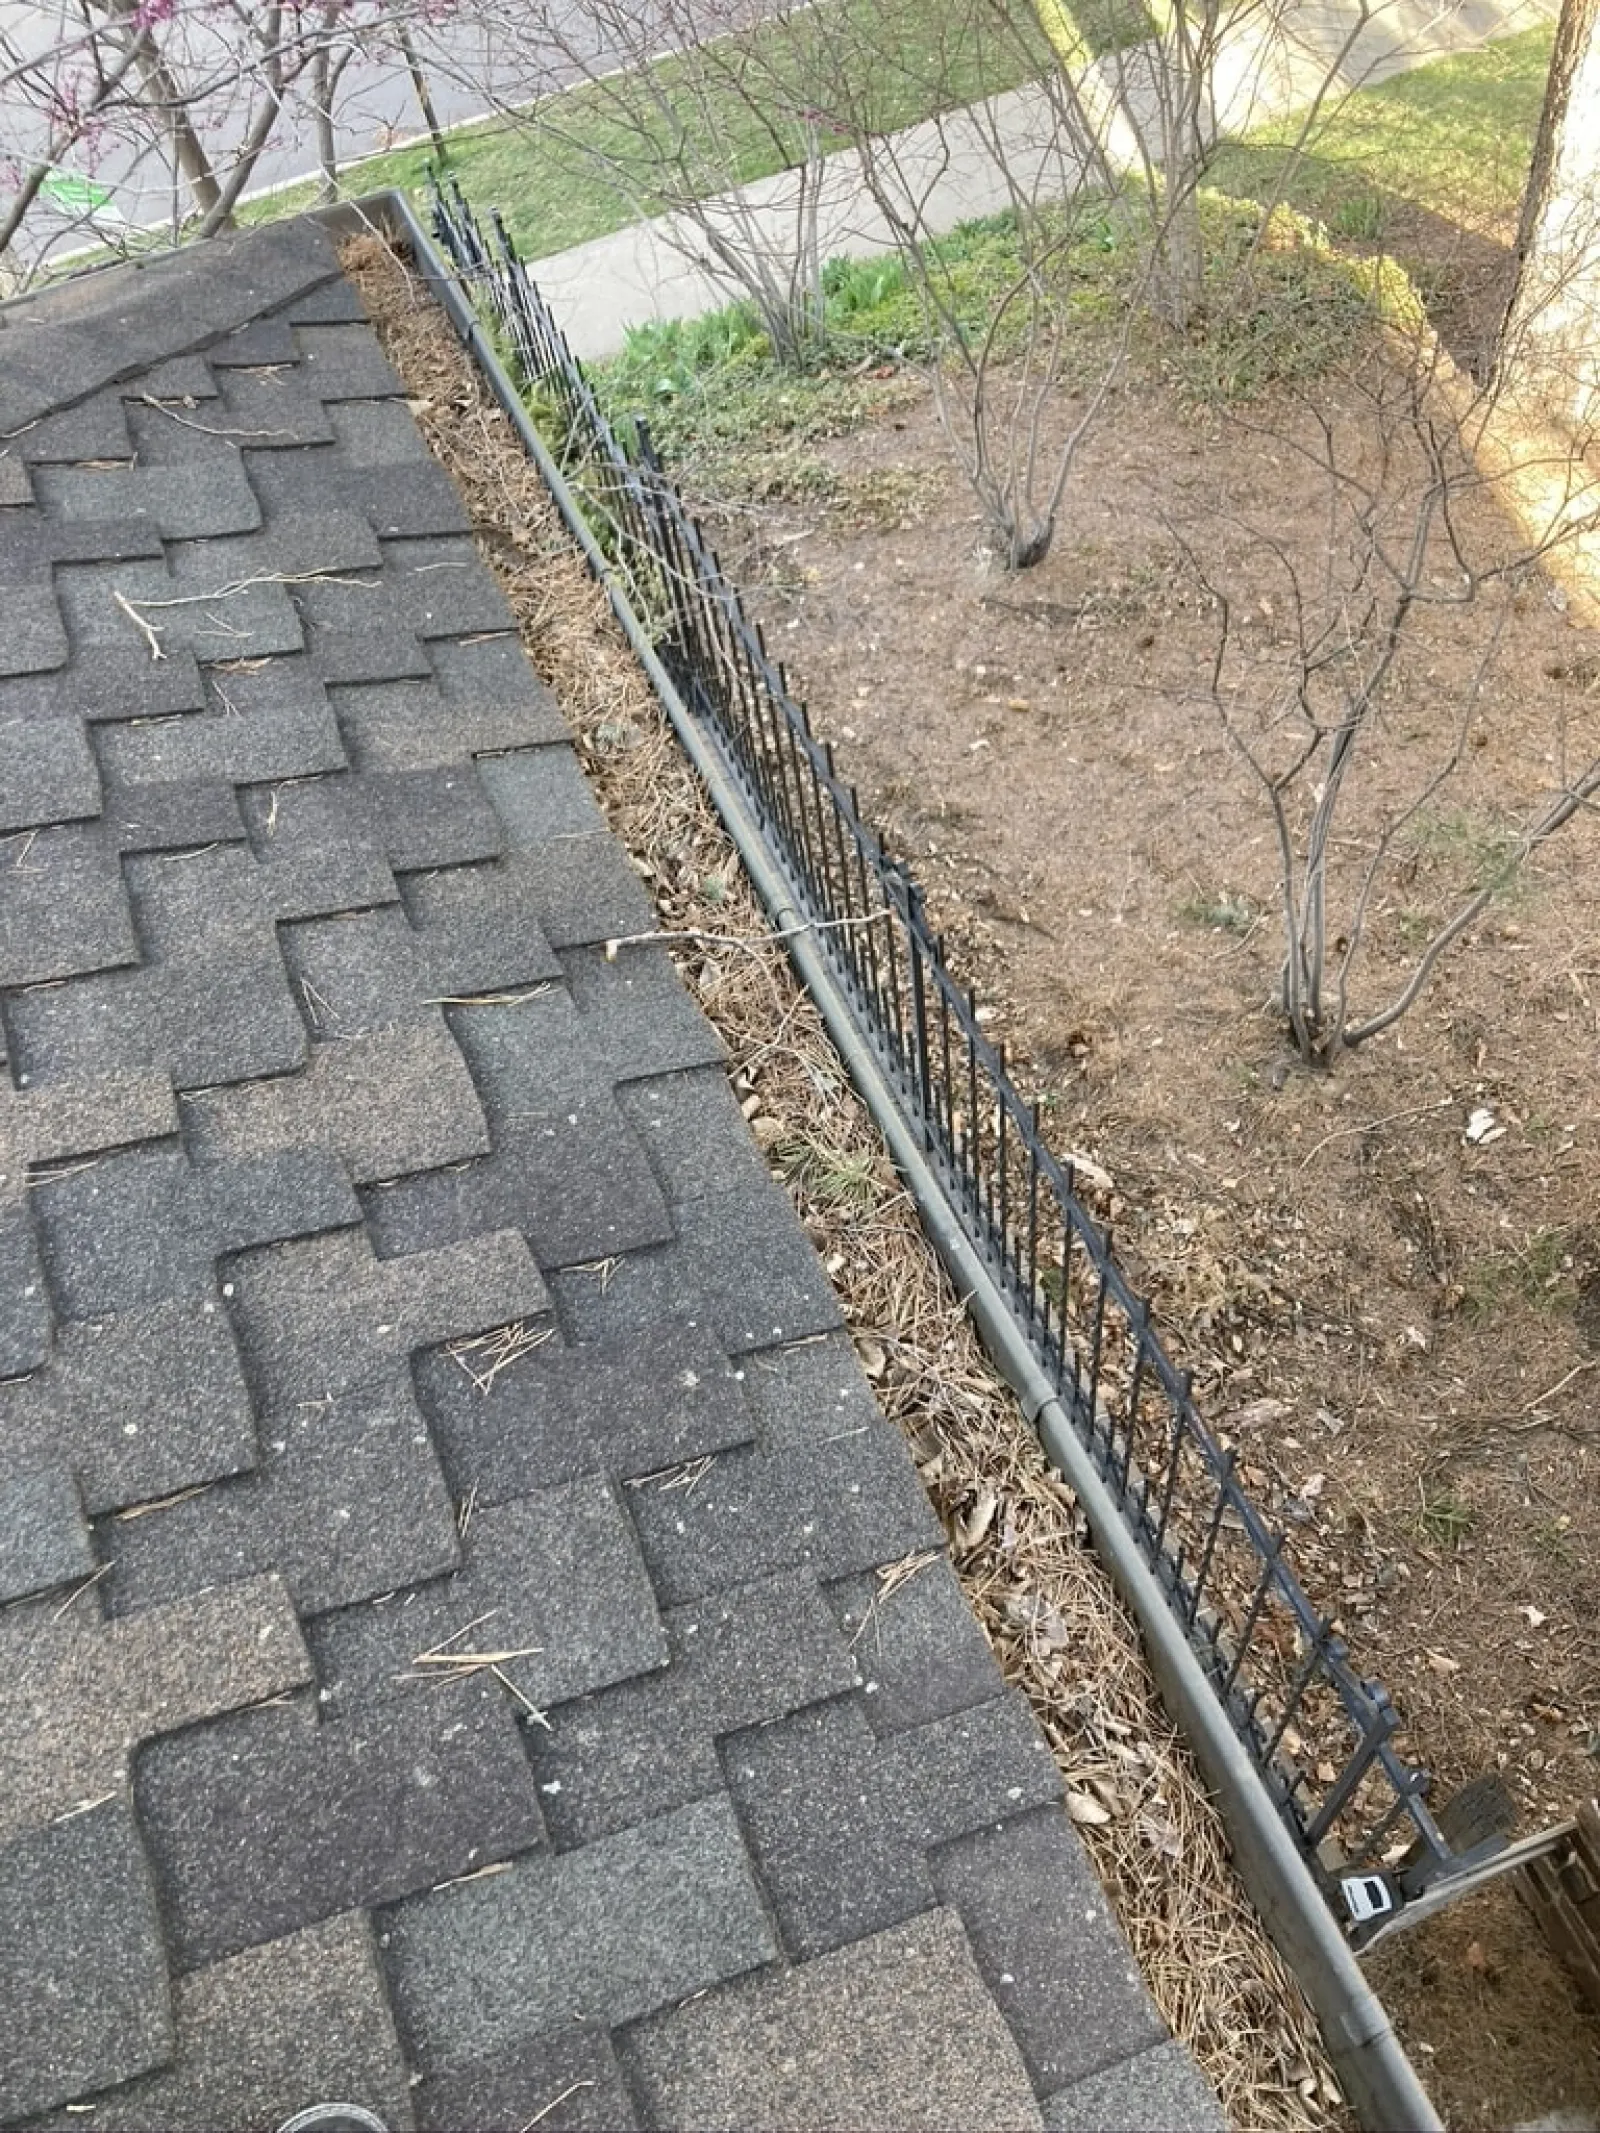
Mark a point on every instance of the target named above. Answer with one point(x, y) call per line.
point(1373, 1921)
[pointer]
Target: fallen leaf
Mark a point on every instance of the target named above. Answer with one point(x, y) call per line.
point(927, 1442)
point(1160, 1835)
point(1442, 1663)
point(974, 1524)
point(1083, 1808)
point(1032, 1613)
point(1256, 1415)
point(1086, 1171)
point(870, 1355)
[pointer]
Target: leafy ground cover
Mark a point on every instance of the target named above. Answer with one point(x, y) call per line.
point(730, 417)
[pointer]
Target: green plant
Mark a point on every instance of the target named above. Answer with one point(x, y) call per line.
point(856, 286)
point(1546, 1269)
point(1443, 1519)
point(833, 1177)
point(666, 358)
point(1281, 303)
point(1553, 1539)
point(1539, 1275)
point(1226, 912)
point(885, 497)
point(1360, 216)
point(715, 397)
point(1488, 854)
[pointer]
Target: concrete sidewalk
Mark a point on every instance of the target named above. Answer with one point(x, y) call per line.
point(985, 158)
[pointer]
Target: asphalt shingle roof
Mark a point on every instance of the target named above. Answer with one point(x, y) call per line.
point(381, 1713)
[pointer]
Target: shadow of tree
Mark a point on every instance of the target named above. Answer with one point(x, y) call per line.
point(1463, 276)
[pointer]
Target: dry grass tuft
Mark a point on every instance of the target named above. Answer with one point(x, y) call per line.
point(1018, 1537)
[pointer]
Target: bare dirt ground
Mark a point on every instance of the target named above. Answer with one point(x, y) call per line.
point(1399, 1325)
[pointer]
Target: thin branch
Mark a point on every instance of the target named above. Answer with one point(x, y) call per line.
point(147, 630)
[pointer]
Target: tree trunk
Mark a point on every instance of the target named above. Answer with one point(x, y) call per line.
point(322, 120)
point(419, 82)
point(1550, 340)
point(159, 90)
point(327, 67)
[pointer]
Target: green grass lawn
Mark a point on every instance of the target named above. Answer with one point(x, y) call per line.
point(1454, 137)
point(906, 59)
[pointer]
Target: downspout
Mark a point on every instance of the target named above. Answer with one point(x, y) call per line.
point(1379, 2081)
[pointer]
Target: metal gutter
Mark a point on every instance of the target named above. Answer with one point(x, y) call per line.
point(1379, 2081)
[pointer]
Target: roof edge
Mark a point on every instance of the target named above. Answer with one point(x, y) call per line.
point(61, 344)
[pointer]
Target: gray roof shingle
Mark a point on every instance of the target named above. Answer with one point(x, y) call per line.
point(896, 2030)
point(443, 1660)
point(83, 1965)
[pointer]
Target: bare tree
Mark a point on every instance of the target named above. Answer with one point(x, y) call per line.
point(1159, 99)
point(1039, 158)
point(1410, 525)
point(805, 91)
point(1105, 151)
point(1120, 140)
point(676, 141)
point(1438, 494)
